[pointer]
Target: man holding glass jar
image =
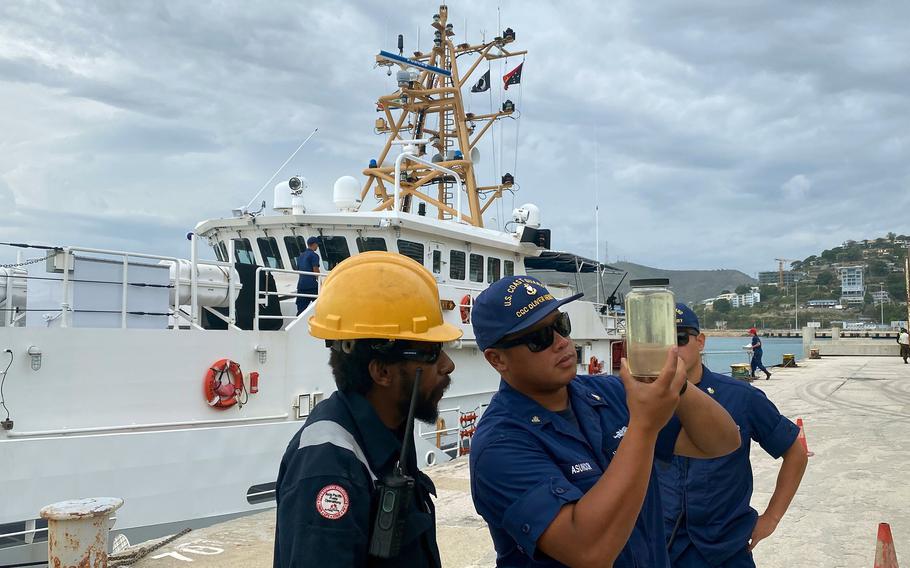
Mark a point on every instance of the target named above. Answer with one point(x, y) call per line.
point(562, 465)
point(706, 501)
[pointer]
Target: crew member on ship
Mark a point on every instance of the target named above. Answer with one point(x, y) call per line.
point(308, 261)
point(706, 502)
point(379, 313)
point(562, 466)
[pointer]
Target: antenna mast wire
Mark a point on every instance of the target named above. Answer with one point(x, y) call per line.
point(255, 197)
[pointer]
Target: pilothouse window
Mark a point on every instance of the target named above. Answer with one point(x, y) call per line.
point(271, 256)
point(243, 252)
point(456, 265)
point(492, 269)
point(476, 268)
point(508, 268)
point(333, 250)
point(221, 251)
point(366, 244)
point(294, 245)
point(411, 250)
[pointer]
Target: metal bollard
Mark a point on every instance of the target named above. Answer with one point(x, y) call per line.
point(78, 530)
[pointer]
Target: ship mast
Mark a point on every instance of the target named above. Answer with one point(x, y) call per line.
point(429, 105)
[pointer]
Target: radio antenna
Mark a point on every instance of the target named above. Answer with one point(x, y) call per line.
point(266, 184)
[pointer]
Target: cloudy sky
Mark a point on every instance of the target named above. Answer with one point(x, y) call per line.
point(711, 136)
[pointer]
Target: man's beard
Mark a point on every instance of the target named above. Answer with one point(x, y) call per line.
point(427, 408)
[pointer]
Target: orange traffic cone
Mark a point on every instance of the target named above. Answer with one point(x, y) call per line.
point(885, 555)
point(802, 437)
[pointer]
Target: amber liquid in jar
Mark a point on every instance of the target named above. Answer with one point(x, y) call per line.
point(650, 325)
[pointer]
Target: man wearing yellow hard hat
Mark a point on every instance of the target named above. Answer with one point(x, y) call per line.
point(346, 496)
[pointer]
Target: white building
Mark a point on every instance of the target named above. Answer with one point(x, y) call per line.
point(881, 297)
point(852, 288)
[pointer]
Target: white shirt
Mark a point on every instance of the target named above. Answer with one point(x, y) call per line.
point(904, 338)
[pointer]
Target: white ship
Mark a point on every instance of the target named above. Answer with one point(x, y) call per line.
point(109, 389)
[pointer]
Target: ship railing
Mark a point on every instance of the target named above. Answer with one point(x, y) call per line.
point(437, 434)
point(67, 282)
point(262, 296)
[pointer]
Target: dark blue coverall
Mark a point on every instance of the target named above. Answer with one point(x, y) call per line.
point(707, 514)
point(325, 491)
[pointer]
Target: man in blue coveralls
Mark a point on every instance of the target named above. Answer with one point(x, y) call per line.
point(308, 261)
point(379, 313)
point(706, 502)
point(757, 352)
point(562, 465)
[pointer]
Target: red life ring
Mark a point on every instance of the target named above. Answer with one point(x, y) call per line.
point(218, 392)
point(594, 366)
point(466, 303)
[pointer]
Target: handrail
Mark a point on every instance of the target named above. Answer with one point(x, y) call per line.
point(65, 306)
point(264, 294)
point(144, 427)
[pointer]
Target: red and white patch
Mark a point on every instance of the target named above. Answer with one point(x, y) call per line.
point(332, 502)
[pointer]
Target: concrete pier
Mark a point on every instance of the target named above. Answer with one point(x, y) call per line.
point(856, 412)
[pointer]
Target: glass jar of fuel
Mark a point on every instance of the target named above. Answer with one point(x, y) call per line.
point(650, 325)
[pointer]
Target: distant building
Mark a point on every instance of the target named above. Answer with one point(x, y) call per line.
point(746, 300)
point(852, 288)
point(772, 278)
point(881, 297)
point(821, 303)
point(897, 324)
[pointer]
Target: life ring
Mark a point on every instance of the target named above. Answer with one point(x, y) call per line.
point(595, 366)
point(466, 303)
point(218, 392)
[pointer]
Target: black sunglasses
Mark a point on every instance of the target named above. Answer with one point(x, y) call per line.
point(540, 339)
point(683, 335)
point(428, 353)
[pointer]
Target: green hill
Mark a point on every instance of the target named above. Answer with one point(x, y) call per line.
point(688, 285)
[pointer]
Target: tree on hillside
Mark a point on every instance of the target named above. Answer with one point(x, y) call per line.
point(877, 268)
point(891, 236)
point(743, 289)
point(722, 306)
point(824, 278)
point(830, 254)
point(724, 291)
point(767, 292)
point(894, 283)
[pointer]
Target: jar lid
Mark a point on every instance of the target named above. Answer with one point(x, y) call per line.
point(643, 282)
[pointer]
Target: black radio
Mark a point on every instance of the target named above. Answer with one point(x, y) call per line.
point(394, 494)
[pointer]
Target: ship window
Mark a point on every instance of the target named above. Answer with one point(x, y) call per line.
point(243, 252)
point(437, 261)
point(220, 251)
point(492, 269)
point(294, 247)
point(333, 250)
point(476, 268)
point(411, 250)
point(366, 244)
point(508, 268)
point(271, 256)
point(456, 265)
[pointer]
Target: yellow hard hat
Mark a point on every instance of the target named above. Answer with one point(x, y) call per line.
point(380, 295)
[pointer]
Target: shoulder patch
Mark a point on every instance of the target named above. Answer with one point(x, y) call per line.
point(332, 502)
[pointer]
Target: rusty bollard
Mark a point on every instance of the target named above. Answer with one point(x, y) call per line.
point(78, 530)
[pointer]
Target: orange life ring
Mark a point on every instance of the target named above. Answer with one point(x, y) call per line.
point(218, 392)
point(595, 366)
point(466, 303)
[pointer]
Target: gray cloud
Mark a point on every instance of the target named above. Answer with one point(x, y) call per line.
point(723, 137)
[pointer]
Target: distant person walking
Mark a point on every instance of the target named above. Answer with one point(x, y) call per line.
point(904, 340)
point(756, 354)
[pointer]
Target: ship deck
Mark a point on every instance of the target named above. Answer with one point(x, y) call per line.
point(856, 412)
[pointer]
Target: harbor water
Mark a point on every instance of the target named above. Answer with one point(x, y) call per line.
point(721, 352)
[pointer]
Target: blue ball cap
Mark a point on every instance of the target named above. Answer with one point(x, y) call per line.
point(510, 305)
point(312, 240)
point(685, 317)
